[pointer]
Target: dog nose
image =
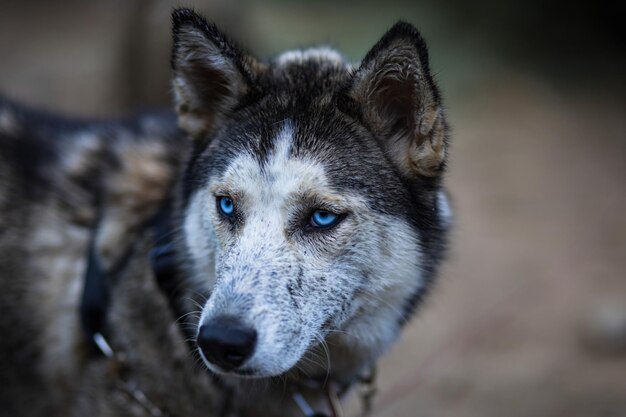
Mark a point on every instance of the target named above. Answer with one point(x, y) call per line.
point(226, 342)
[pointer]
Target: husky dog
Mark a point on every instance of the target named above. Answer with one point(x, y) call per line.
point(310, 220)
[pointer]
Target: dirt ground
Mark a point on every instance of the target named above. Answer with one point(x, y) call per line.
point(539, 248)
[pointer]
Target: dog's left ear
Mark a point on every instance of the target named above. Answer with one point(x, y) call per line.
point(211, 74)
point(400, 103)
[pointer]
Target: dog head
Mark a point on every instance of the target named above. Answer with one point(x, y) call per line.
point(311, 204)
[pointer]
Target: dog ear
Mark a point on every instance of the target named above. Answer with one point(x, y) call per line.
point(400, 103)
point(211, 74)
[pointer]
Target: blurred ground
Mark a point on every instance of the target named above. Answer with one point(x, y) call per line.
point(540, 245)
point(537, 174)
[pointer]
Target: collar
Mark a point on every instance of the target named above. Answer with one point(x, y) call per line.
point(332, 392)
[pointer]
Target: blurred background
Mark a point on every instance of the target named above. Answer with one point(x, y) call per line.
point(529, 317)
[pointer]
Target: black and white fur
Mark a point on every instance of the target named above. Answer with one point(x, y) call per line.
point(303, 132)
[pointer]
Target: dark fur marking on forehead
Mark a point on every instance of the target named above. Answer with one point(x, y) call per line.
point(304, 81)
point(263, 148)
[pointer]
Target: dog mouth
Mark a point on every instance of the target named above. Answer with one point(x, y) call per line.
point(231, 345)
point(242, 372)
point(229, 358)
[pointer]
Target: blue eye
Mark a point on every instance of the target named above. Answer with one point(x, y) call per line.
point(226, 206)
point(323, 219)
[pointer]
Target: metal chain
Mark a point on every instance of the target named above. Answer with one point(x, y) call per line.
point(368, 390)
point(127, 385)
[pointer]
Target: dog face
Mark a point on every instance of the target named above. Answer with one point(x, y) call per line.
point(311, 204)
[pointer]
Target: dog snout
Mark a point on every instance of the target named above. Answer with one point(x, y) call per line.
point(226, 342)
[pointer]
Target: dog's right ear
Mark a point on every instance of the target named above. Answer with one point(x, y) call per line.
point(211, 74)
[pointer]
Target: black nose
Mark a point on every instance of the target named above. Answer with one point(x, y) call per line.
point(226, 342)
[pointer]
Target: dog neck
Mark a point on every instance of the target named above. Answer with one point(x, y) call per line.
point(305, 397)
point(244, 398)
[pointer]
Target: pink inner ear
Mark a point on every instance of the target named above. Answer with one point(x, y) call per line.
point(395, 100)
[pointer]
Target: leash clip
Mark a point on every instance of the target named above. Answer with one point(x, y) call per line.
point(102, 345)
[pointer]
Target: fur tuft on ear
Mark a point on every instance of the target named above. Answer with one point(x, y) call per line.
point(211, 74)
point(400, 103)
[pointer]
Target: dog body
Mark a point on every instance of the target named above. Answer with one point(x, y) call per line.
point(310, 219)
point(64, 186)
